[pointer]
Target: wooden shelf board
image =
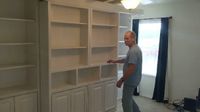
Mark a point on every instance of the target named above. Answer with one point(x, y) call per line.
point(17, 19)
point(77, 67)
point(123, 27)
point(103, 46)
point(78, 47)
point(103, 25)
point(84, 82)
point(72, 23)
point(62, 87)
point(14, 66)
point(16, 44)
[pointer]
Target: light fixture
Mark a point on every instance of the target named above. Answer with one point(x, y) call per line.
point(130, 4)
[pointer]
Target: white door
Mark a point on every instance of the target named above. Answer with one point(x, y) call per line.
point(79, 100)
point(7, 105)
point(96, 98)
point(110, 95)
point(26, 103)
point(61, 102)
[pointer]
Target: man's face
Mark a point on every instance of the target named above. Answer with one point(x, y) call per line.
point(128, 39)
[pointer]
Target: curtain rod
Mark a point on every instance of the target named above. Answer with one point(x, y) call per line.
point(170, 17)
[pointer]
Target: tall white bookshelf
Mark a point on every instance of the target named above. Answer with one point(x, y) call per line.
point(19, 62)
point(75, 44)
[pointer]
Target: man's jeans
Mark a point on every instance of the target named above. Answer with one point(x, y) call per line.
point(128, 103)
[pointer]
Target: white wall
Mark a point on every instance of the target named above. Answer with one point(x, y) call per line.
point(184, 46)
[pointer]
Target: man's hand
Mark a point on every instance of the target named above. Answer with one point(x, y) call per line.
point(119, 83)
point(110, 61)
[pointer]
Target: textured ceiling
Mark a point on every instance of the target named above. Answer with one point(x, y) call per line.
point(146, 2)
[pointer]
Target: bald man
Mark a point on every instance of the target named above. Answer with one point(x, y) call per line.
point(132, 72)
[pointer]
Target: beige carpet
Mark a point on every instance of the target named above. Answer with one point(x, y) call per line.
point(147, 105)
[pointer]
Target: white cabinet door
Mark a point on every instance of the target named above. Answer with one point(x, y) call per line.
point(79, 100)
point(26, 103)
point(61, 102)
point(96, 98)
point(110, 95)
point(7, 105)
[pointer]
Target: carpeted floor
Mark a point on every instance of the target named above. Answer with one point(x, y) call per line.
point(147, 105)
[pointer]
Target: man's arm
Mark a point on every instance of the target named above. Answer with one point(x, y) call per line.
point(129, 71)
point(116, 61)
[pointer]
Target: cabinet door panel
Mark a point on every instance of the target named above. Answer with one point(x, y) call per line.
point(26, 103)
point(110, 95)
point(96, 98)
point(7, 105)
point(79, 101)
point(61, 102)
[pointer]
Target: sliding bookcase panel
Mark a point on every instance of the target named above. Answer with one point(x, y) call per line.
point(87, 75)
point(63, 80)
point(102, 55)
point(108, 71)
point(103, 36)
point(67, 14)
point(69, 36)
point(18, 47)
point(69, 58)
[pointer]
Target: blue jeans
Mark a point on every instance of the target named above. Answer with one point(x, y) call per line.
point(128, 103)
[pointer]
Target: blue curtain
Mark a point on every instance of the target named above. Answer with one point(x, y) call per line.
point(135, 28)
point(159, 88)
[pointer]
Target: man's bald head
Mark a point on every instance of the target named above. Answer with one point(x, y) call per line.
point(131, 34)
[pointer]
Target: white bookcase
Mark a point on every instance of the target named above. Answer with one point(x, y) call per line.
point(76, 42)
point(19, 70)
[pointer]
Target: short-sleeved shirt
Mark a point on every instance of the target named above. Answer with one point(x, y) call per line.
point(134, 56)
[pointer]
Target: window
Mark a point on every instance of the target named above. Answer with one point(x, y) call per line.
point(149, 37)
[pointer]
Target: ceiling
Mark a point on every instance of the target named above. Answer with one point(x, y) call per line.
point(145, 2)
